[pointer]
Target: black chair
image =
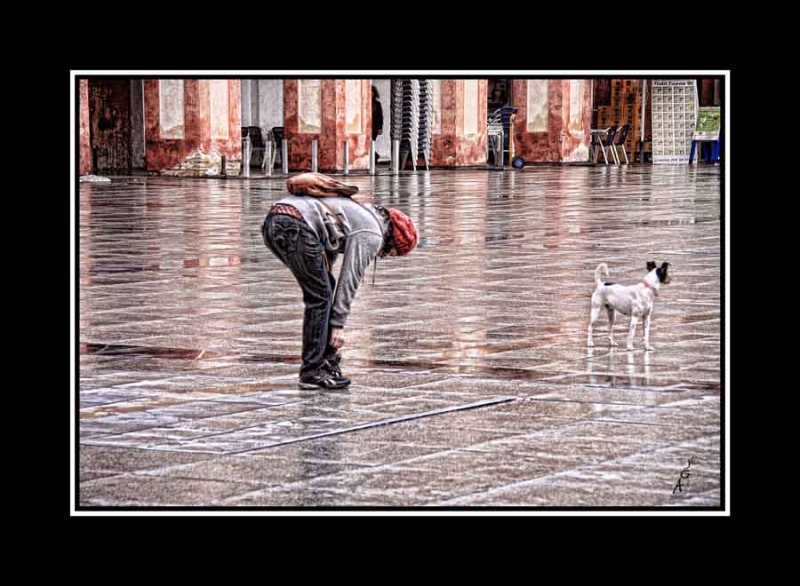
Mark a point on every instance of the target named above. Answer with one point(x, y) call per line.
point(494, 144)
point(620, 142)
point(610, 133)
point(596, 145)
point(256, 142)
point(276, 136)
point(597, 141)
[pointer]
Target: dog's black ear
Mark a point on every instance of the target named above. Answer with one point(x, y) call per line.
point(650, 266)
point(662, 273)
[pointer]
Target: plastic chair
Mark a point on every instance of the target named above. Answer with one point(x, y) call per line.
point(609, 143)
point(276, 137)
point(255, 133)
point(620, 142)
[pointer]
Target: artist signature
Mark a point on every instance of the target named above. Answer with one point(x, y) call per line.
point(684, 476)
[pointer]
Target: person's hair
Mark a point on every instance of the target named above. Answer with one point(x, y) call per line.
point(375, 93)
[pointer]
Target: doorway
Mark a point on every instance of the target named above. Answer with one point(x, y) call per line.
point(110, 126)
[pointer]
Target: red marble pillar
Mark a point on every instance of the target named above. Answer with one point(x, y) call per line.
point(196, 113)
point(458, 146)
point(706, 91)
point(353, 121)
point(85, 150)
point(328, 120)
point(541, 144)
point(443, 144)
point(554, 140)
point(576, 124)
point(197, 145)
point(300, 143)
point(230, 145)
point(471, 143)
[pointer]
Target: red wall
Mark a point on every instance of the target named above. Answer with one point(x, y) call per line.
point(165, 153)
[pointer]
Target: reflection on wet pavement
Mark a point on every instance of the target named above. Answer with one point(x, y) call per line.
point(472, 382)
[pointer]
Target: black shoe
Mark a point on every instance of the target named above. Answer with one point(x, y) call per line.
point(334, 365)
point(323, 380)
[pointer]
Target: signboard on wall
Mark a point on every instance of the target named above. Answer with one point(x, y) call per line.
point(470, 107)
point(309, 106)
point(708, 124)
point(674, 113)
point(537, 105)
point(352, 93)
point(218, 105)
point(170, 103)
point(576, 106)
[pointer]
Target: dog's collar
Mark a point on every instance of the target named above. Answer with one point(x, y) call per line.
point(649, 286)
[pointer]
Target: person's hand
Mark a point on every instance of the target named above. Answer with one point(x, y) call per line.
point(337, 337)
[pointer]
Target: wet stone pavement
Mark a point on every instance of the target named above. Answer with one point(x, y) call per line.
point(472, 382)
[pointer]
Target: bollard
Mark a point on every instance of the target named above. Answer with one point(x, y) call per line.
point(395, 157)
point(346, 157)
point(498, 154)
point(267, 164)
point(223, 167)
point(285, 156)
point(372, 158)
point(247, 150)
point(314, 154)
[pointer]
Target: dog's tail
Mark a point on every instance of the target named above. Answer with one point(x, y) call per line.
point(601, 267)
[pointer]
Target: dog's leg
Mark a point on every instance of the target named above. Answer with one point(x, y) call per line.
point(592, 318)
point(611, 313)
point(647, 331)
point(634, 320)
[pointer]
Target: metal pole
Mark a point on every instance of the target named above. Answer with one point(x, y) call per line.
point(268, 158)
point(246, 151)
point(314, 159)
point(395, 157)
point(346, 158)
point(644, 109)
point(285, 156)
point(372, 158)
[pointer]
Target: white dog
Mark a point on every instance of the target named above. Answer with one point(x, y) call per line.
point(635, 301)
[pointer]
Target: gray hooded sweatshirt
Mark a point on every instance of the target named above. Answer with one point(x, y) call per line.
point(358, 234)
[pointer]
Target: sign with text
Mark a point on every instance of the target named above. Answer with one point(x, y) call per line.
point(674, 112)
point(708, 124)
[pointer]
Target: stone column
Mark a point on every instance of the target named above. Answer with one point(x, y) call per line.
point(460, 133)
point(332, 111)
point(85, 150)
point(706, 92)
point(553, 120)
point(576, 116)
